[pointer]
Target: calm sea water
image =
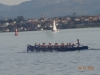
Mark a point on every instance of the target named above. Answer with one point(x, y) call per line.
point(15, 61)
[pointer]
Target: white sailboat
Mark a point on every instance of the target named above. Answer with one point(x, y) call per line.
point(54, 29)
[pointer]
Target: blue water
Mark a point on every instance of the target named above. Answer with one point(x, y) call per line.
point(15, 61)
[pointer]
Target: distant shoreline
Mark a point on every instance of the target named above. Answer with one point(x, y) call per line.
point(48, 30)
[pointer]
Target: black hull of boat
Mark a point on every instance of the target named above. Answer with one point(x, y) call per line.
point(32, 48)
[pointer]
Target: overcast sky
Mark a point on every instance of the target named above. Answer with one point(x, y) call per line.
point(12, 2)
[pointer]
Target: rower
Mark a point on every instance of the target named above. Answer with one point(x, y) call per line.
point(67, 45)
point(36, 46)
point(39, 45)
point(43, 45)
point(74, 44)
point(56, 45)
point(70, 45)
point(49, 45)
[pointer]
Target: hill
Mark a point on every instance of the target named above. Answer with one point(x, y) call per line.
point(51, 8)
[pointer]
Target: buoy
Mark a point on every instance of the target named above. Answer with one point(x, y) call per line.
point(16, 32)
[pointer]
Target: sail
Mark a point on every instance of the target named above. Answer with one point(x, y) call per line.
point(54, 26)
point(54, 29)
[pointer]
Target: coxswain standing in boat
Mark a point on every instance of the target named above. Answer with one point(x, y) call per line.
point(78, 43)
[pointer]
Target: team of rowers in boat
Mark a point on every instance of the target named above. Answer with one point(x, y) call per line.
point(68, 45)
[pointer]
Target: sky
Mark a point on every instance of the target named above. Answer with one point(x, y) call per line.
point(12, 2)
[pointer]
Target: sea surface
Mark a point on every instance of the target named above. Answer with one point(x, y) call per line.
point(14, 60)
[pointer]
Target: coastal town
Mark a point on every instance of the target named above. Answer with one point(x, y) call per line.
point(43, 23)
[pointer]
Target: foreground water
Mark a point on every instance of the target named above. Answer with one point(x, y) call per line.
point(15, 61)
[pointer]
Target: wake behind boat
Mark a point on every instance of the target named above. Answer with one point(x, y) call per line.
point(54, 29)
point(56, 47)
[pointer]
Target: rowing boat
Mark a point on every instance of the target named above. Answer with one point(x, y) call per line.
point(31, 48)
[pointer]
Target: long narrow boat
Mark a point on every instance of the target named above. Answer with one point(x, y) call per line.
point(56, 47)
point(31, 48)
